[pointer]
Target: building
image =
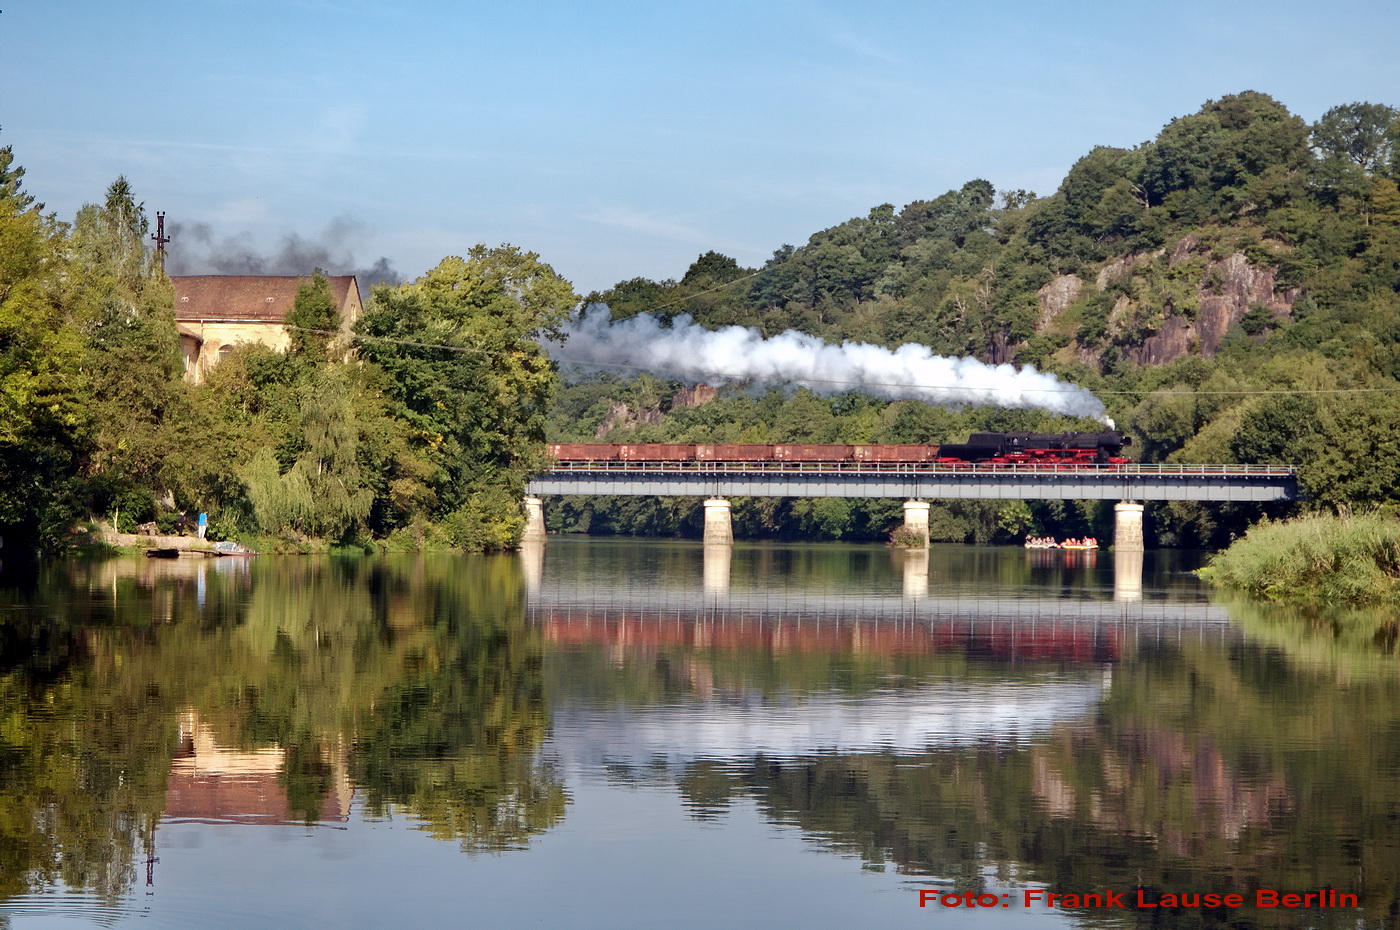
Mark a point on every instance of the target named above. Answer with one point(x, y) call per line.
point(217, 312)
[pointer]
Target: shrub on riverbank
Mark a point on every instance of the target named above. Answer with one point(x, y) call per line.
point(1314, 557)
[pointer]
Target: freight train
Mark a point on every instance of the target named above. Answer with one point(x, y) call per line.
point(1048, 449)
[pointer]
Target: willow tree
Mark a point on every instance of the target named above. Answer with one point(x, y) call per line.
point(465, 370)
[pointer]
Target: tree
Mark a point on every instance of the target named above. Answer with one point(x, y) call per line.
point(124, 304)
point(45, 421)
point(1364, 134)
point(313, 319)
point(466, 371)
point(325, 493)
point(1200, 164)
point(10, 177)
point(710, 269)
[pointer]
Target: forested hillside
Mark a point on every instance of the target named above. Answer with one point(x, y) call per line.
point(1230, 289)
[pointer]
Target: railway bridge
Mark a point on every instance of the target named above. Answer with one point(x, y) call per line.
point(916, 483)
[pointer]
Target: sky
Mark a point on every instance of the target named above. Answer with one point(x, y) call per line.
point(616, 139)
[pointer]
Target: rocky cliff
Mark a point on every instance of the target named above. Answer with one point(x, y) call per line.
point(1165, 304)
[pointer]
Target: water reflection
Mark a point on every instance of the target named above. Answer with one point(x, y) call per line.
point(135, 690)
point(717, 562)
point(1127, 575)
point(971, 718)
point(915, 572)
point(215, 784)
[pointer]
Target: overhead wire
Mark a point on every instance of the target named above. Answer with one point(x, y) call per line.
point(875, 384)
point(1157, 392)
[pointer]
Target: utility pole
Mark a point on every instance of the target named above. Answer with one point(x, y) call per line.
point(161, 238)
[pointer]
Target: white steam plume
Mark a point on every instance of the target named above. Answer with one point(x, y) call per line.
point(690, 352)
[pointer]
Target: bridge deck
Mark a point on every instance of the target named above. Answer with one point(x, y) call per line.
point(1238, 483)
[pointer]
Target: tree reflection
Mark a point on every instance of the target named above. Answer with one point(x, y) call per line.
point(414, 677)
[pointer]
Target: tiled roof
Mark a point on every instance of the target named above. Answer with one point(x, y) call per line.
point(246, 298)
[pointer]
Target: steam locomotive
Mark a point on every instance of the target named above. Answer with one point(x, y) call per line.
point(1047, 449)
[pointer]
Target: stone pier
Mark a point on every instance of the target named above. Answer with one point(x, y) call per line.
point(1127, 527)
point(719, 530)
point(916, 520)
point(534, 521)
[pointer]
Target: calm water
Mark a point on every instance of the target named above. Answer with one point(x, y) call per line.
point(620, 734)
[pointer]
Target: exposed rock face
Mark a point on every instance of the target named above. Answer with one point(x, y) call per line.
point(1120, 270)
point(1183, 249)
point(694, 396)
point(1240, 287)
point(1122, 308)
point(622, 415)
point(1056, 297)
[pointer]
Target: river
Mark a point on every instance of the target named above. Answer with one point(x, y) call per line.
point(617, 733)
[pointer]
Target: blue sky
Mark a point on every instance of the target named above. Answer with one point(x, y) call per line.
point(619, 139)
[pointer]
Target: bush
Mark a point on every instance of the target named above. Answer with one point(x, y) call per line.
point(1314, 557)
point(489, 520)
point(133, 506)
point(905, 538)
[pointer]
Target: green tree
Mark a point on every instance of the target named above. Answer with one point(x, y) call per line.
point(124, 303)
point(313, 319)
point(10, 177)
point(466, 372)
point(1364, 134)
point(45, 420)
point(711, 269)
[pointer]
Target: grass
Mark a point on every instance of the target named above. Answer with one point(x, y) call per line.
point(1318, 557)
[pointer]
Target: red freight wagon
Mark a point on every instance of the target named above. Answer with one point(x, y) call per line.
point(812, 452)
point(734, 452)
point(657, 452)
point(896, 453)
point(584, 451)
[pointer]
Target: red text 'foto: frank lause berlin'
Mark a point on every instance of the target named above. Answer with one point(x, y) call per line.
point(1139, 898)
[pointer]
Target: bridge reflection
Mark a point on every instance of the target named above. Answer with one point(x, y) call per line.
point(654, 611)
point(671, 655)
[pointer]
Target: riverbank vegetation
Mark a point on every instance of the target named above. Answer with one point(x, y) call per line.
point(1318, 557)
point(420, 437)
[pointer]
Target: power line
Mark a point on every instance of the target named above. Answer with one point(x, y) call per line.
point(1252, 392)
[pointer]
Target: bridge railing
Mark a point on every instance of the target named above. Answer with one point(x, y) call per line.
point(1233, 471)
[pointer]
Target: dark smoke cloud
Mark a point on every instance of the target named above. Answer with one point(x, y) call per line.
point(195, 249)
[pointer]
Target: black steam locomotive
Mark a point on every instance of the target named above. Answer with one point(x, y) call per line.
point(1039, 448)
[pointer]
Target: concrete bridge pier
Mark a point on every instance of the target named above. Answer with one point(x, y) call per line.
point(719, 530)
point(916, 520)
point(534, 521)
point(1127, 527)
